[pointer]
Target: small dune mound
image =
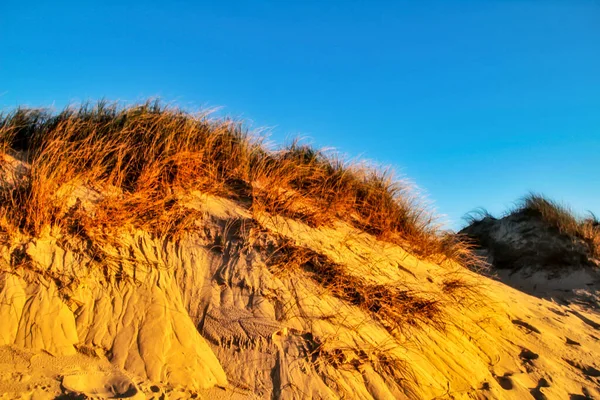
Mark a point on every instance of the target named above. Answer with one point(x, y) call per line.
point(147, 252)
point(540, 246)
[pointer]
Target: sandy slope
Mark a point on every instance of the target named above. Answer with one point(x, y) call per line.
point(207, 317)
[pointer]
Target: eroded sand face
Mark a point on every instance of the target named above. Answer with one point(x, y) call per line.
point(205, 316)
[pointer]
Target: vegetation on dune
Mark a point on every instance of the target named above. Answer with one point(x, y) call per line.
point(144, 158)
point(556, 217)
point(564, 220)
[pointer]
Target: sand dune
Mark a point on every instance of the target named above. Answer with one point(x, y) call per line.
point(273, 286)
point(154, 316)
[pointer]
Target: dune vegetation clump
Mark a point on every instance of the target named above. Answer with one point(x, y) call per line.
point(143, 159)
point(536, 232)
point(564, 220)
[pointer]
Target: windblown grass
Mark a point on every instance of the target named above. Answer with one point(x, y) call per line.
point(144, 158)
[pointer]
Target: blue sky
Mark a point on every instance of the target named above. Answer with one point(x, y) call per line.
point(478, 102)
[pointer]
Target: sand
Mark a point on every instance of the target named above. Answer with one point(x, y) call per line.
point(157, 318)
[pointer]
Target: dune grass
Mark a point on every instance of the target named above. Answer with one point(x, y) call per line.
point(562, 218)
point(143, 158)
point(555, 215)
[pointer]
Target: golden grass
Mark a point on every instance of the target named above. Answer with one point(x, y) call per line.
point(142, 158)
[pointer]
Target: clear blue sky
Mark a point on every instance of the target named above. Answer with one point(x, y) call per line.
point(478, 102)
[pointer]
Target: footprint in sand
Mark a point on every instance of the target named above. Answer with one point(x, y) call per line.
point(572, 342)
point(102, 385)
point(586, 320)
point(528, 355)
point(585, 396)
point(558, 312)
point(537, 394)
point(586, 369)
point(526, 325)
point(537, 391)
point(505, 381)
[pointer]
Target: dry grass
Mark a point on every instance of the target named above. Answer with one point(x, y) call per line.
point(563, 219)
point(393, 305)
point(143, 158)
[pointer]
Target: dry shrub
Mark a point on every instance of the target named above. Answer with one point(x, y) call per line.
point(146, 155)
